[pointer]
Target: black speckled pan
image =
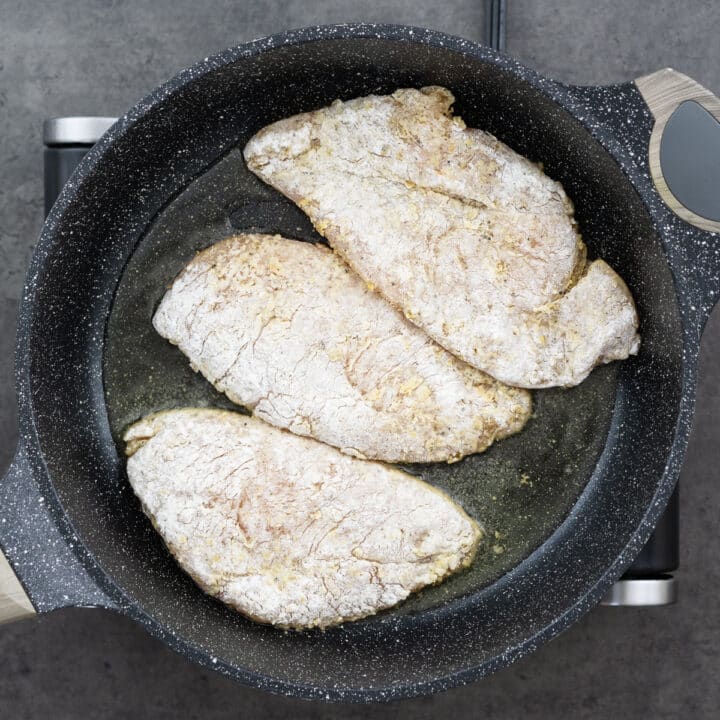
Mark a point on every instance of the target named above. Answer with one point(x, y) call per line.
point(568, 503)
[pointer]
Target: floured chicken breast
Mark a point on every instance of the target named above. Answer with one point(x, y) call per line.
point(285, 529)
point(472, 241)
point(287, 329)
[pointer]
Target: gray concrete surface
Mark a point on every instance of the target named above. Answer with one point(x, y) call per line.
point(97, 57)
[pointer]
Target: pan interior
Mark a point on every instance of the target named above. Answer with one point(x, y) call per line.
point(520, 490)
point(173, 182)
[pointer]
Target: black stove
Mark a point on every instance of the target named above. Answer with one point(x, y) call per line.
point(648, 582)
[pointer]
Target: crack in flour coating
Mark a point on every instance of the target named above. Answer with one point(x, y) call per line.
point(285, 529)
point(286, 329)
point(474, 243)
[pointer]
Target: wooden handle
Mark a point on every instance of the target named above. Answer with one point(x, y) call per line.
point(664, 91)
point(14, 602)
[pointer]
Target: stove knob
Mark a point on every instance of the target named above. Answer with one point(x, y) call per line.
point(87, 130)
point(642, 592)
point(66, 140)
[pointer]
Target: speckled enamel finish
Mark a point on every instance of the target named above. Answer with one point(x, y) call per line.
point(68, 526)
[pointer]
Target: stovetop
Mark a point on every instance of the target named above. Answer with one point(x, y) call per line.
point(87, 56)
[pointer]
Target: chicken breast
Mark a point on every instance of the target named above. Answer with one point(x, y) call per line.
point(285, 529)
point(474, 243)
point(286, 329)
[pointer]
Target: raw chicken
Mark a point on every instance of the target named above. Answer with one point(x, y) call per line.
point(474, 243)
point(286, 329)
point(285, 529)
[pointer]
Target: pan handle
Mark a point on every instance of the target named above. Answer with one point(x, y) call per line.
point(14, 601)
point(665, 131)
point(40, 568)
point(684, 151)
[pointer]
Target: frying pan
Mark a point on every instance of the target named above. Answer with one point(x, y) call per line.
point(567, 504)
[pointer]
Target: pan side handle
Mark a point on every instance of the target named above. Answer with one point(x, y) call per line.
point(684, 150)
point(14, 601)
point(40, 565)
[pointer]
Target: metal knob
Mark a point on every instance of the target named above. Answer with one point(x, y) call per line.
point(642, 592)
point(67, 139)
point(85, 130)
